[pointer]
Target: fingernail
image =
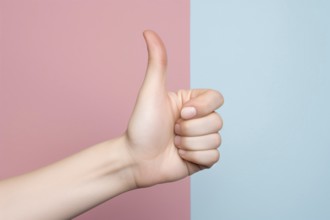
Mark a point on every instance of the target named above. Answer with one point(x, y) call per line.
point(177, 128)
point(188, 112)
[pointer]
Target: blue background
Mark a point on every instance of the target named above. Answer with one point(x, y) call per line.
point(270, 60)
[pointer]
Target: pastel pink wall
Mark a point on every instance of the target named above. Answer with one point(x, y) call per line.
point(69, 75)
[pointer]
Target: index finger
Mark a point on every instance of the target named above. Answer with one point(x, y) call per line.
point(202, 102)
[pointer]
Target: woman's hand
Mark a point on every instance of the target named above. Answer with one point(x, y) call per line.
point(171, 135)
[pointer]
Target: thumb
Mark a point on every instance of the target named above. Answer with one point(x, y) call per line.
point(202, 102)
point(155, 77)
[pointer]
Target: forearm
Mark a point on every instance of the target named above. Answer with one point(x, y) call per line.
point(169, 137)
point(69, 187)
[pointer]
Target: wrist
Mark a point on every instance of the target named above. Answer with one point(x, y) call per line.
point(119, 163)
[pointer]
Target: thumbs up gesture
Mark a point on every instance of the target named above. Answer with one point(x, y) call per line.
point(171, 135)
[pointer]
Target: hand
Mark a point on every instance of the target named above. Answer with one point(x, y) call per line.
point(171, 135)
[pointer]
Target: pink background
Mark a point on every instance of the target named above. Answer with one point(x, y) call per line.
point(69, 75)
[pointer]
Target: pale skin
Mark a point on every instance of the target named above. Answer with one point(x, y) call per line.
point(170, 136)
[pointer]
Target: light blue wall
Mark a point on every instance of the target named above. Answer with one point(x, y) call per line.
point(271, 61)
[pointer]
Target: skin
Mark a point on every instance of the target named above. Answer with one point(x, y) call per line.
point(169, 137)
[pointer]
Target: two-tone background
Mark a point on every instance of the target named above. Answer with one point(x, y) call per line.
point(70, 72)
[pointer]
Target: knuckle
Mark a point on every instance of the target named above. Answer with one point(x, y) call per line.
point(216, 156)
point(218, 97)
point(222, 99)
point(217, 140)
point(218, 120)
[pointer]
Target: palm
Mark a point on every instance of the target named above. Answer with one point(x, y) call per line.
point(151, 136)
point(150, 133)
